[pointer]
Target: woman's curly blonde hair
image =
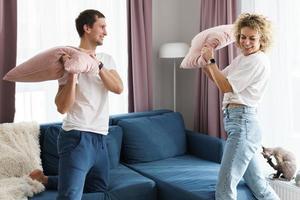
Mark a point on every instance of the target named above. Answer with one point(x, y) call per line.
point(256, 22)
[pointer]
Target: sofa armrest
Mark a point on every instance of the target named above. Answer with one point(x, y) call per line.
point(204, 146)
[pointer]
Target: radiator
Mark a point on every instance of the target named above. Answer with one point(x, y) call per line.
point(285, 190)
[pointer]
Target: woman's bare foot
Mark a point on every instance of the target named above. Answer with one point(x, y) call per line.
point(38, 175)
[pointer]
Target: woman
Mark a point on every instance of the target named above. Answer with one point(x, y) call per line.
point(243, 83)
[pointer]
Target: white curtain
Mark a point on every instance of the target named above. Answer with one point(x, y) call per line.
point(48, 23)
point(280, 107)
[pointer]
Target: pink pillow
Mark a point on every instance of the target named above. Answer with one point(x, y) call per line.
point(216, 37)
point(47, 66)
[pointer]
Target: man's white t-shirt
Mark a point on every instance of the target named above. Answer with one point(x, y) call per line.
point(90, 111)
point(248, 77)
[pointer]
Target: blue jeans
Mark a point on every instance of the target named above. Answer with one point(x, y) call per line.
point(83, 164)
point(241, 154)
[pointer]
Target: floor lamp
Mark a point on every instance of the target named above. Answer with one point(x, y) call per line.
point(173, 50)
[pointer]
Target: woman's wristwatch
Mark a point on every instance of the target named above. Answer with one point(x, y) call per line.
point(100, 65)
point(211, 61)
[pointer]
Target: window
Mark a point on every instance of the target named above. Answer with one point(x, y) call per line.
point(48, 23)
point(280, 107)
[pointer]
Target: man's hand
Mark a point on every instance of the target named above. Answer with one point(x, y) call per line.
point(99, 63)
point(64, 58)
point(72, 77)
point(110, 78)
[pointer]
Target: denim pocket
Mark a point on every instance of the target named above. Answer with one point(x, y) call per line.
point(68, 141)
point(235, 124)
point(253, 134)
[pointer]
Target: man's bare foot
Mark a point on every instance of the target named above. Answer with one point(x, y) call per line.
point(38, 175)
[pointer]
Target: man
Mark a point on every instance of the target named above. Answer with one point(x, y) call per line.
point(83, 157)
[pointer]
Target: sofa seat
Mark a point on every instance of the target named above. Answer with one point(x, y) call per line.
point(51, 195)
point(124, 184)
point(128, 184)
point(186, 177)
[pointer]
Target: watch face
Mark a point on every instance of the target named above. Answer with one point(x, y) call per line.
point(100, 65)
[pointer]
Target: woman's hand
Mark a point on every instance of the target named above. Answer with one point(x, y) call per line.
point(207, 53)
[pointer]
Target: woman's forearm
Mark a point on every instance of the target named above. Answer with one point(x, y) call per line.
point(206, 71)
point(219, 79)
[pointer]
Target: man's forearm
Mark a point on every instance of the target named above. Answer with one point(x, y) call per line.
point(111, 80)
point(66, 96)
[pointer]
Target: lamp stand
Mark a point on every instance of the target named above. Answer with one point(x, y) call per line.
point(174, 84)
point(173, 50)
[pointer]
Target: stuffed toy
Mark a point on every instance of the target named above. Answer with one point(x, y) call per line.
point(286, 165)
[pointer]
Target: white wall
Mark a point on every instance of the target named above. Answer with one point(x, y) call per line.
point(174, 21)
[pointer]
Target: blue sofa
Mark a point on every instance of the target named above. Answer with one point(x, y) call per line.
point(152, 156)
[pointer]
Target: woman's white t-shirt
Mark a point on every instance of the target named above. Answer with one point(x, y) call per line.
point(90, 111)
point(248, 77)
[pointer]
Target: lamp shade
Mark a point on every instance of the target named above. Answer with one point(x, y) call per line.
point(173, 50)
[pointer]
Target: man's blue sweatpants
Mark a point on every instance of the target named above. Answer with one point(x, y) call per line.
point(83, 164)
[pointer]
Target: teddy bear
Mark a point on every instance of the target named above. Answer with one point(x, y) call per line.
point(286, 165)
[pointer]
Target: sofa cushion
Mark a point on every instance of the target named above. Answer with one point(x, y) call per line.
point(52, 194)
point(49, 151)
point(125, 183)
point(114, 119)
point(153, 138)
point(186, 177)
point(50, 154)
point(114, 141)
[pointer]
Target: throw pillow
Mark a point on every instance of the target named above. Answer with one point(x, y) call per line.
point(216, 38)
point(47, 65)
point(49, 149)
point(114, 142)
point(153, 138)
